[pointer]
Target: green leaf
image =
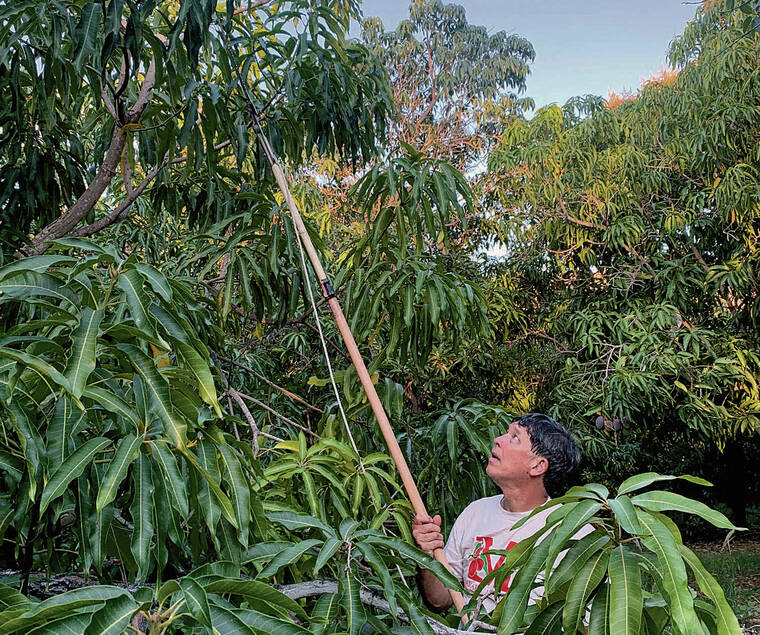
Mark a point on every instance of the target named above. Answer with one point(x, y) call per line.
point(598, 623)
point(174, 481)
point(355, 615)
point(158, 391)
point(11, 598)
point(295, 522)
point(662, 501)
point(327, 551)
point(35, 363)
point(581, 587)
point(82, 360)
point(519, 592)
point(726, 620)
point(86, 33)
point(264, 623)
point(574, 559)
point(202, 373)
point(224, 502)
point(639, 481)
point(625, 514)
point(112, 403)
point(548, 621)
point(286, 556)
point(142, 513)
point(259, 592)
point(241, 494)
point(113, 617)
point(31, 284)
point(156, 280)
point(625, 599)
point(418, 557)
point(196, 600)
point(117, 470)
point(71, 468)
point(226, 621)
point(65, 418)
point(61, 605)
point(673, 571)
point(131, 286)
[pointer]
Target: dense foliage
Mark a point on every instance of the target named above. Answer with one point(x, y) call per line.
point(167, 417)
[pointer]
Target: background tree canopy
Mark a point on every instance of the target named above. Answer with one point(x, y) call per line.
point(166, 412)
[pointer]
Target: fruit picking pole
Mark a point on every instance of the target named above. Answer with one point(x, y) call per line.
point(353, 351)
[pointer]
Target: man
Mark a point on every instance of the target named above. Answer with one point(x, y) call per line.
point(531, 461)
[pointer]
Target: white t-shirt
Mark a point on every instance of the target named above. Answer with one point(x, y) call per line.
point(485, 525)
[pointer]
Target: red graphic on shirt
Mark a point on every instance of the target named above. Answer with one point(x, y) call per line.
point(483, 563)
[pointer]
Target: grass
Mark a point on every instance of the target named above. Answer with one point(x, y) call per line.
point(737, 569)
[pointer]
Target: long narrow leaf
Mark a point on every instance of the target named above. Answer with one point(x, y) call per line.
point(625, 600)
point(117, 470)
point(71, 468)
point(82, 360)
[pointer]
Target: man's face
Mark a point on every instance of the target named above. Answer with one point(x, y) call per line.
point(512, 459)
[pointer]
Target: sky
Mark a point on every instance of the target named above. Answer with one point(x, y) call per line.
point(582, 47)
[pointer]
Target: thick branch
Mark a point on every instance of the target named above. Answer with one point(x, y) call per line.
point(64, 224)
point(248, 417)
point(251, 5)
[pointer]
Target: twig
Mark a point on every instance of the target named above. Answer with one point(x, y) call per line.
point(277, 414)
point(249, 417)
point(270, 383)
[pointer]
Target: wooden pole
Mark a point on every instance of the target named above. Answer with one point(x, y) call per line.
point(353, 350)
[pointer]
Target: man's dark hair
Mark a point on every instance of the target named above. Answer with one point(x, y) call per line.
point(552, 441)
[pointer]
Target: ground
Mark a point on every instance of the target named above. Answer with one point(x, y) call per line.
point(736, 565)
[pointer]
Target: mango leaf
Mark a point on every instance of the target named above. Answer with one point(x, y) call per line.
point(71, 468)
point(113, 617)
point(29, 284)
point(286, 556)
point(226, 621)
point(574, 559)
point(112, 403)
point(65, 418)
point(264, 623)
point(598, 623)
point(418, 557)
point(548, 621)
point(241, 493)
point(258, 592)
point(639, 481)
point(517, 598)
point(86, 33)
point(82, 360)
point(196, 600)
point(625, 599)
point(156, 280)
point(142, 514)
point(173, 480)
point(663, 501)
point(326, 552)
point(625, 514)
point(61, 605)
point(131, 286)
point(583, 584)
point(673, 571)
point(295, 522)
point(726, 620)
point(355, 614)
point(202, 373)
point(117, 470)
point(36, 363)
point(157, 390)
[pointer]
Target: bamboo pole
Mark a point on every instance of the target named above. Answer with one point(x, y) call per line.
point(353, 350)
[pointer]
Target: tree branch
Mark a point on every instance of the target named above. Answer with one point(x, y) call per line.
point(261, 404)
point(66, 222)
point(370, 598)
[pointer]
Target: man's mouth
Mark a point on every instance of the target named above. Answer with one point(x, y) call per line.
point(494, 457)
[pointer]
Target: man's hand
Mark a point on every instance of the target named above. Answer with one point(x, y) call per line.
point(427, 533)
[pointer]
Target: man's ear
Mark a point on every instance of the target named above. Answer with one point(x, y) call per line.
point(538, 466)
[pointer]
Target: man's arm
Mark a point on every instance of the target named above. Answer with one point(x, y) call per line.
point(427, 534)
